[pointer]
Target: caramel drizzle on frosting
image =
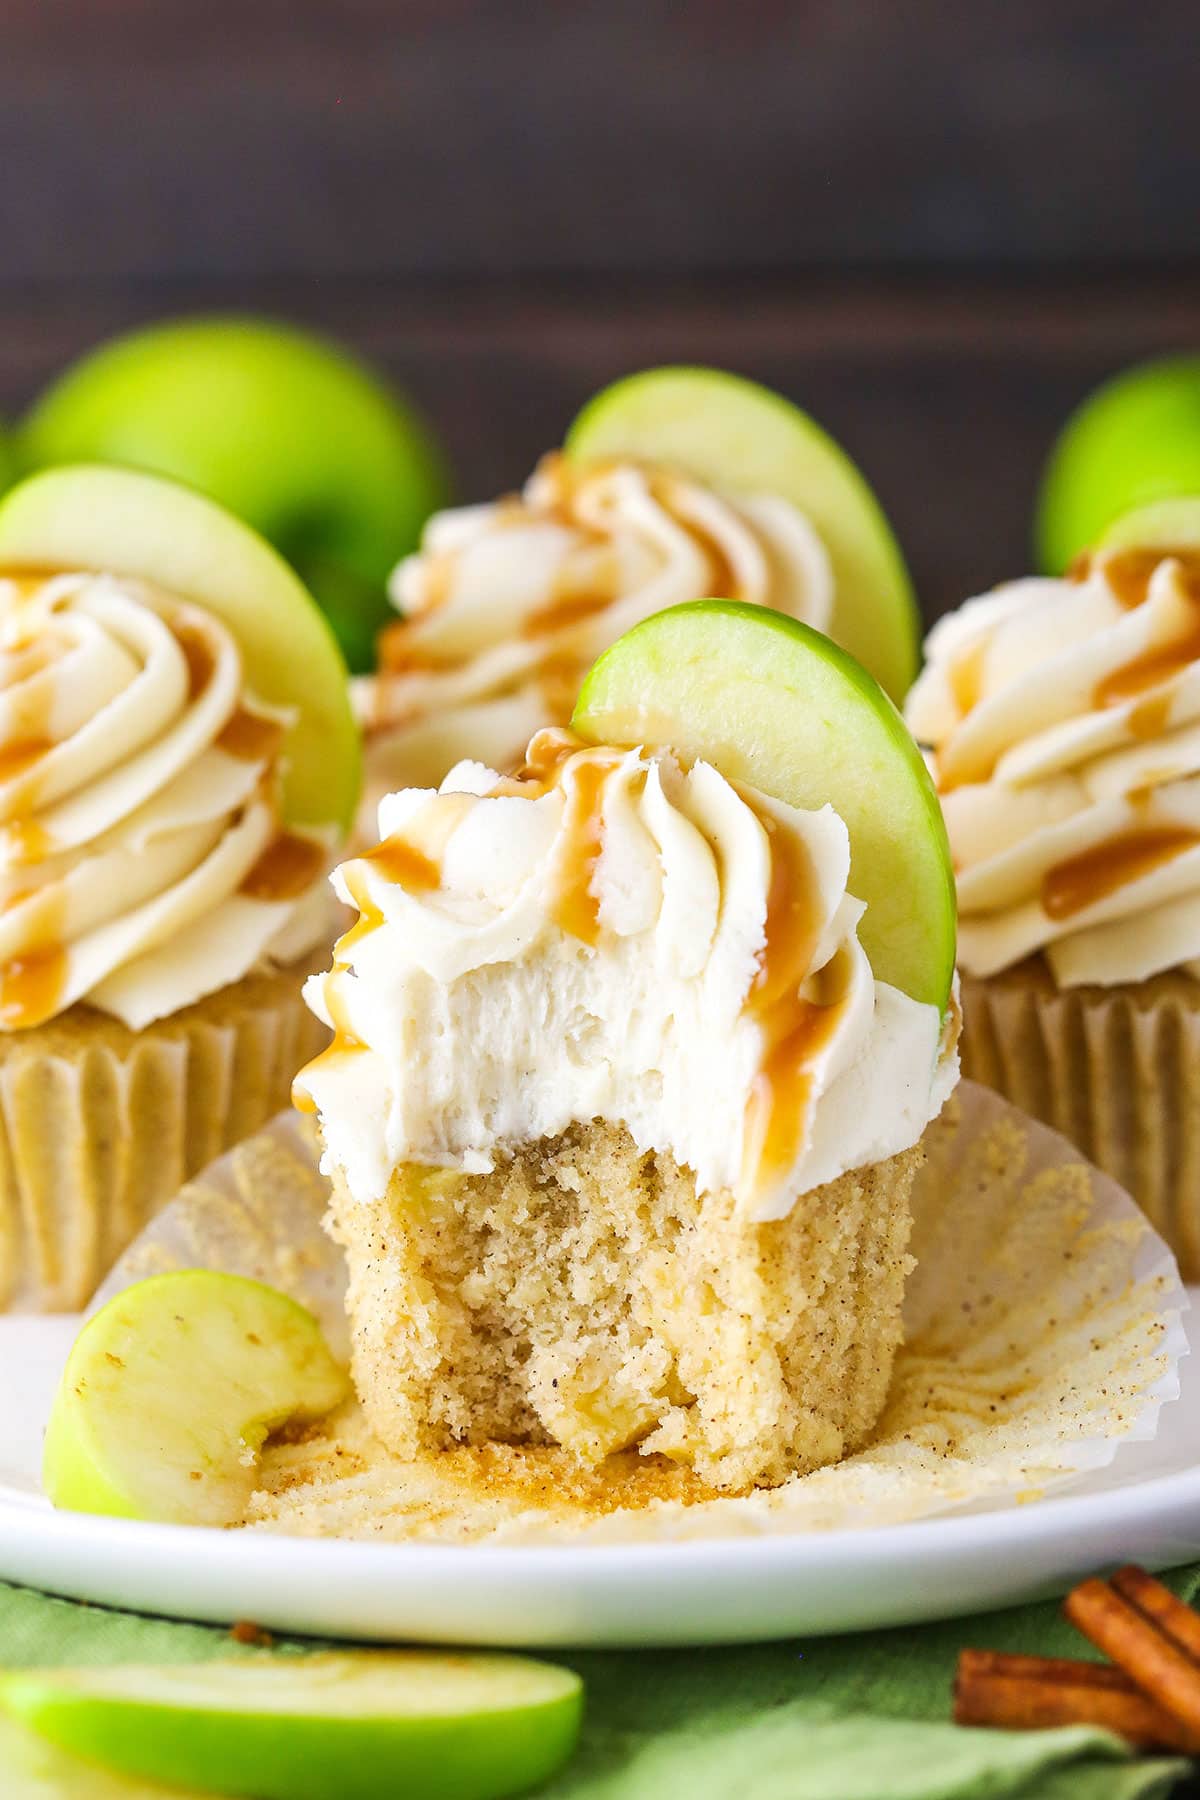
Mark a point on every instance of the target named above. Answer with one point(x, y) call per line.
point(1128, 574)
point(32, 984)
point(562, 661)
point(796, 1029)
point(289, 864)
point(1080, 881)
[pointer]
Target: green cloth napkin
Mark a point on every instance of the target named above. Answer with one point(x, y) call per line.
point(852, 1718)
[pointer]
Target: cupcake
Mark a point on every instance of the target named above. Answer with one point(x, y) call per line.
point(621, 1114)
point(177, 762)
point(1063, 718)
point(674, 485)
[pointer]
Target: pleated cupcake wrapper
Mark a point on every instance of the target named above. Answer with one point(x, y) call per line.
point(1117, 1075)
point(96, 1137)
point(1043, 1331)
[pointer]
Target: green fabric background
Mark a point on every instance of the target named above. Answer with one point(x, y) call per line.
point(854, 1718)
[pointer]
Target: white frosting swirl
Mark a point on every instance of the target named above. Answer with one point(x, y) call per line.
point(142, 859)
point(1064, 717)
point(508, 605)
point(615, 937)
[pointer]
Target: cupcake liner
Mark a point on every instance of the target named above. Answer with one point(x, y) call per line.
point(99, 1126)
point(1116, 1070)
point(1043, 1330)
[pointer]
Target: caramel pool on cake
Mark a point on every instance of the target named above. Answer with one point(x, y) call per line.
point(621, 1125)
point(159, 901)
point(1064, 720)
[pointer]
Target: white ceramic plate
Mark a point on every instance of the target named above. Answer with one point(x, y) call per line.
point(1144, 1507)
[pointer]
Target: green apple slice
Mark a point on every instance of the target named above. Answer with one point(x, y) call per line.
point(1134, 440)
point(772, 703)
point(733, 434)
point(122, 523)
point(285, 428)
point(170, 1391)
point(32, 1768)
point(356, 1725)
point(1162, 525)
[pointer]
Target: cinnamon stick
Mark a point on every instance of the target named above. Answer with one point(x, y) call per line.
point(1030, 1693)
point(1134, 1640)
point(1159, 1604)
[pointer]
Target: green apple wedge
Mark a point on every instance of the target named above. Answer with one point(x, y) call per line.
point(776, 705)
point(1133, 440)
point(32, 1768)
point(291, 432)
point(122, 523)
point(733, 434)
point(1163, 525)
point(170, 1391)
point(354, 1725)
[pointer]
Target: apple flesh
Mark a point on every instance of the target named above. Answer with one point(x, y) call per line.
point(289, 431)
point(357, 1725)
point(1135, 440)
point(1163, 525)
point(734, 435)
point(121, 523)
point(170, 1391)
point(776, 705)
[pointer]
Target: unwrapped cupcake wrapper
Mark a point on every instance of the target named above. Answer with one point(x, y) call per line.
point(1043, 1330)
point(1115, 1070)
point(100, 1127)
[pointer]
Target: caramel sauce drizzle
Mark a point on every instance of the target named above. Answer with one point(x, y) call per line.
point(796, 1029)
point(31, 987)
point(32, 984)
point(966, 677)
point(288, 865)
point(250, 737)
point(1129, 572)
point(1080, 881)
point(198, 654)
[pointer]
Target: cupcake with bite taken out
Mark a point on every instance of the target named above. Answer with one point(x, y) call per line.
point(674, 485)
point(1063, 718)
point(634, 1052)
point(177, 764)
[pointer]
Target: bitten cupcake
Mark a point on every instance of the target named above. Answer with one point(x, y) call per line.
point(631, 1071)
point(674, 485)
point(177, 764)
point(1064, 721)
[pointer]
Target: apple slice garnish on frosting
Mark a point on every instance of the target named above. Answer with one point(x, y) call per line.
point(778, 706)
point(739, 437)
point(118, 522)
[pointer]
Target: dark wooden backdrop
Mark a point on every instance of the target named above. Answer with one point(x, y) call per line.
point(934, 225)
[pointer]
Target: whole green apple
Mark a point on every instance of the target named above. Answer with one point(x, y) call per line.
point(287, 430)
point(1134, 440)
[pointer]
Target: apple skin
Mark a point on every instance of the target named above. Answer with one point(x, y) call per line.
point(171, 1388)
point(731, 433)
point(124, 523)
point(290, 432)
point(474, 1745)
point(1134, 440)
point(777, 705)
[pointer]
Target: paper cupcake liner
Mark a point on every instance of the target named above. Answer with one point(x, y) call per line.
point(100, 1126)
point(1043, 1331)
point(1115, 1070)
